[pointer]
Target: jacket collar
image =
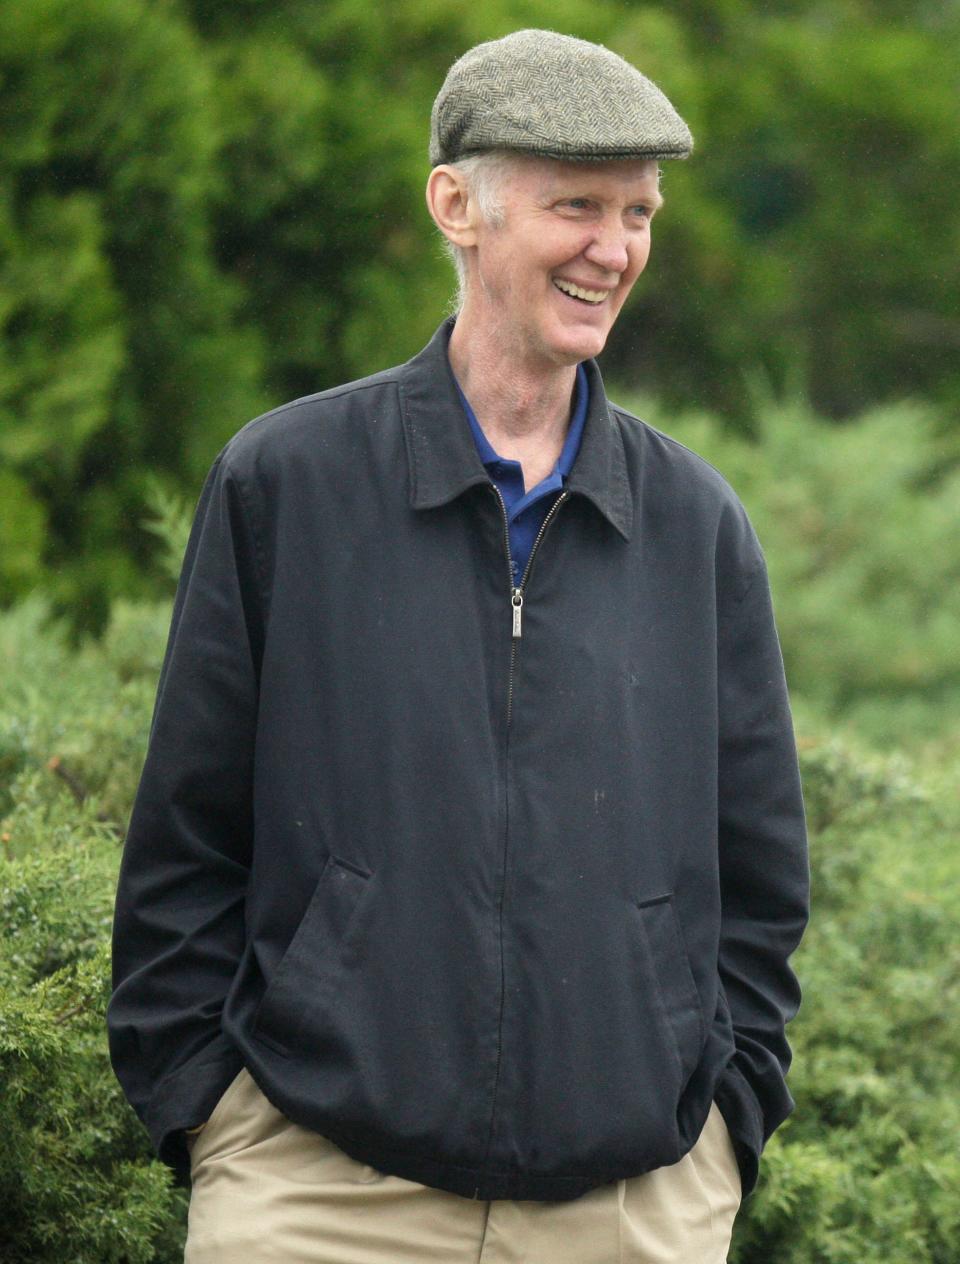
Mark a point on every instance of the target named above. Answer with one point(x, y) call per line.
point(443, 457)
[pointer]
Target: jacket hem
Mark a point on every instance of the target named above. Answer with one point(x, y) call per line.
point(187, 1097)
point(469, 1182)
point(741, 1113)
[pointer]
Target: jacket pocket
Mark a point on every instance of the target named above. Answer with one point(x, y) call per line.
point(306, 971)
point(674, 987)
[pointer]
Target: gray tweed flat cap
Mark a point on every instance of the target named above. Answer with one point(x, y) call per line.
point(556, 96)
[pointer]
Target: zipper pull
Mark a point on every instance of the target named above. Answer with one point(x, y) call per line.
point(517, 602)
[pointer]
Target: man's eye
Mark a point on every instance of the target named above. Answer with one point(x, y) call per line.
point(577, 204)
point(643, 212)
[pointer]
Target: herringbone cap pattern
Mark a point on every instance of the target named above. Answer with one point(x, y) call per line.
point(553, 95)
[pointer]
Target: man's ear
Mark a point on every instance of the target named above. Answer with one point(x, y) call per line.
point(453, 210)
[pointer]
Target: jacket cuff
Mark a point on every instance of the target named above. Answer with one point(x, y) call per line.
point(186, 1095)
point(740, 1109)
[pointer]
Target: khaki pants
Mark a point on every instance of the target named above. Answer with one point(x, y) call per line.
point(265, 1189)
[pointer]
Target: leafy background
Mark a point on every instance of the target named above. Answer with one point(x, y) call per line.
point(207, 208)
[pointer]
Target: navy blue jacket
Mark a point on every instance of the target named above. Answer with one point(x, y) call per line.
point(498, 913)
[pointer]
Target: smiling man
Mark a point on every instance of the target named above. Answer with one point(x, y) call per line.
point(456, 908)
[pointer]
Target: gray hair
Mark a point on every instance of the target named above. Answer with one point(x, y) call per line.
point(485, 175)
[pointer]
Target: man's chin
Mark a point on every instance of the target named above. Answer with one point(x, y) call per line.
point(579, 345)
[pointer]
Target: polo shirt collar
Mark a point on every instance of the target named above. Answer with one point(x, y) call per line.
point(571, 444)
point(443, 457)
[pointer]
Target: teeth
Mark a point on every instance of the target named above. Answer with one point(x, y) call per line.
point(591, 296)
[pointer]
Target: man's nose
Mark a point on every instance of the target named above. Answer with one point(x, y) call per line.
point(608, 248)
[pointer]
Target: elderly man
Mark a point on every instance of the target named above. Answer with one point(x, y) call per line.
point(456, 907)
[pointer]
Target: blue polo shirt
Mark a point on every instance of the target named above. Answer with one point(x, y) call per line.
point(527, 510)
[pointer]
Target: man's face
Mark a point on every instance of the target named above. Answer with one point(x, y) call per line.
point(549, 282)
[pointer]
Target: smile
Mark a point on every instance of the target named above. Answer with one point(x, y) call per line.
point(576, 291)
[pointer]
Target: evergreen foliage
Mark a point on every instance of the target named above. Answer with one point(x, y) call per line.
point(208, 207)
point(860, 524)
point(120, 329)
point(867, 1169)
point(77, 1179)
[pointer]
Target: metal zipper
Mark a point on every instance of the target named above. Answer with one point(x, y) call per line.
point(506, 549)
point(517, 591)
point(516, 605)
point(517, 597)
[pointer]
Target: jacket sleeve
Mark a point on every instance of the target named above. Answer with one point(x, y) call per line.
point(763, 862)
point(179, 922)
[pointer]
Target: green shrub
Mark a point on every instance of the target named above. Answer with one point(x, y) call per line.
point(77, 1178)
point(859, 523)
point(78, 1181)
point(866, 1171)
point(76, 718)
